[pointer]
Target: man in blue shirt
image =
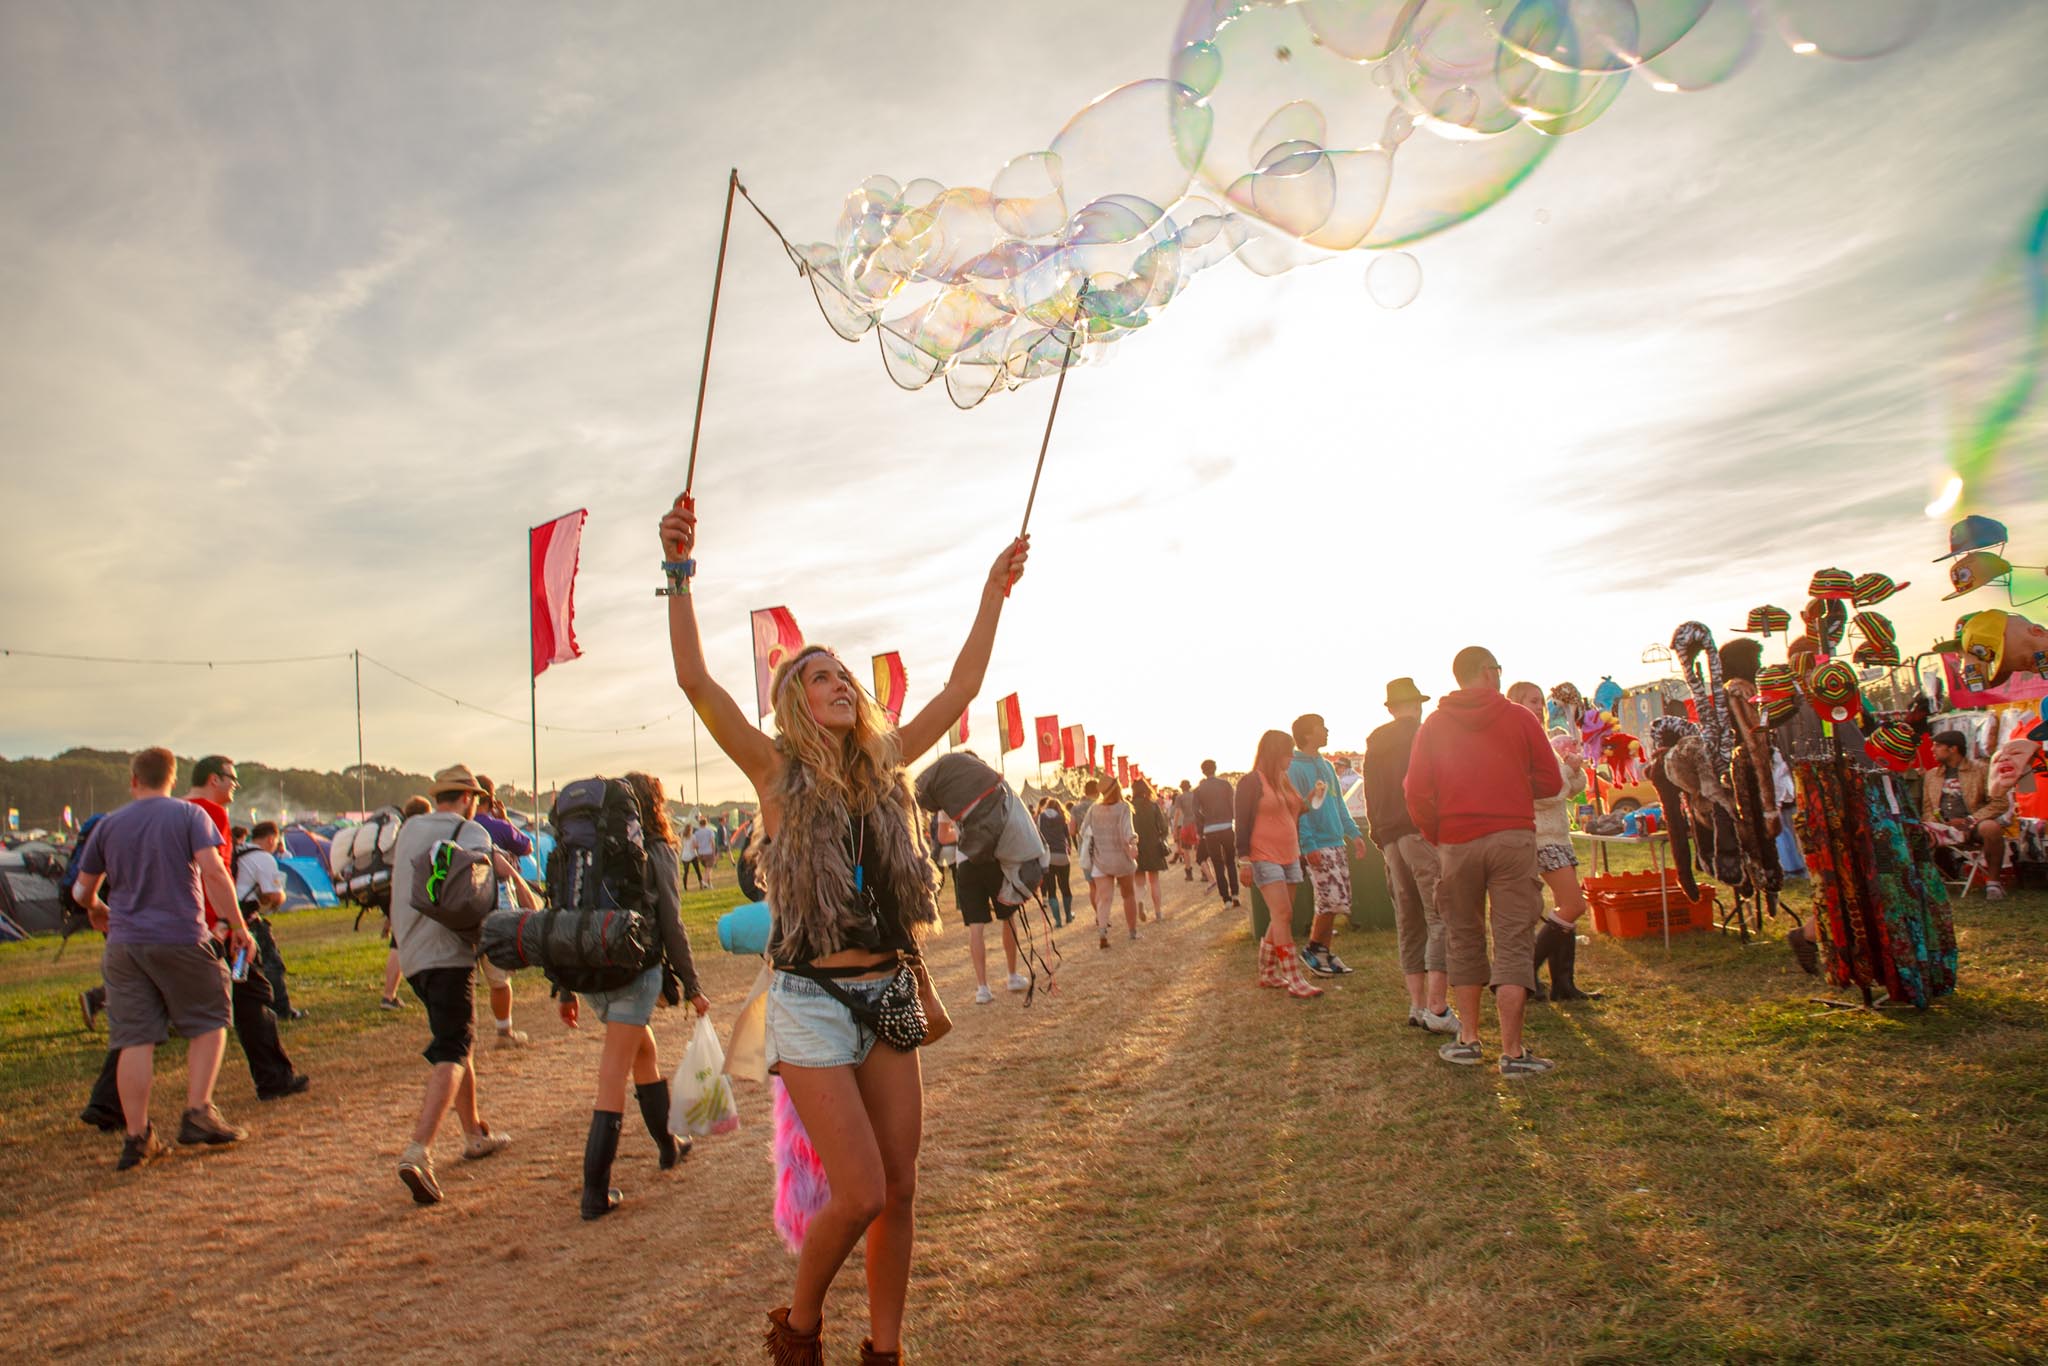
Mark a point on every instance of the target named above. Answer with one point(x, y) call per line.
point(1326, 831)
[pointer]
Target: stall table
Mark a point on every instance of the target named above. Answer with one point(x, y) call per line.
point(1600, 843)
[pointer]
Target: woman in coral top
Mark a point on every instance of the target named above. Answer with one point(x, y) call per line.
point(1268, 830)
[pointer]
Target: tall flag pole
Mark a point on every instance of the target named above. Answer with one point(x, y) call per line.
point(553, 550)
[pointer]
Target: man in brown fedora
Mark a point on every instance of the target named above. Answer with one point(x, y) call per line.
point(440, 967)
point(1411, 860)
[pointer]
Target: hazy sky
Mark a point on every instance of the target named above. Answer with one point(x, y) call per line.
point(312, 309)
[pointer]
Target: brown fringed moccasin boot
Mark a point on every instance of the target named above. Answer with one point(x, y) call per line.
point(870, 1357)
point(787, 1347)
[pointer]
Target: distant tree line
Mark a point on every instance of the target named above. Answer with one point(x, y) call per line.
point(89, 780)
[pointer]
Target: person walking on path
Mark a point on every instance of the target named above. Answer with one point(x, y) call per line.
point(627, 1014)
point(1057, 885)
point(707, 852)
point(1328, 837)
point(1151, 825)
point(851, 897)
point(1269, 831)
point(1109, 849)
point(440, 967)
point(161, 859)
point(1557, 941)
point(259, 889)
point(1478, 767)
point(214, 781)
point(1187, 830)
point(1216, 812)
point(1412, 869)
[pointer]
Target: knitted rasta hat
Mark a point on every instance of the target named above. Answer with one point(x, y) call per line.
point(1777, 693)
point(1834, 692)
point(1872, 589)
point(1832, 583)
point(1896, 745)
point(1766, 621)
point(1880, 643)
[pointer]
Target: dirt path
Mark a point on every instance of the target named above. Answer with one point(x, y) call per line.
point(301, 1242)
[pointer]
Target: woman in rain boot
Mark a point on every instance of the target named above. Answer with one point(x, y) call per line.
point(628, 1012)
point(1557, 941)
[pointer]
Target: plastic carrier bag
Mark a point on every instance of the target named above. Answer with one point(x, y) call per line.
point(701, 1100)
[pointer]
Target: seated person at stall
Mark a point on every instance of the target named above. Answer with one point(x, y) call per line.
point(1958, 810)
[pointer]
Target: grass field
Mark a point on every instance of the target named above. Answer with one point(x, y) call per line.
point(1156, 1163)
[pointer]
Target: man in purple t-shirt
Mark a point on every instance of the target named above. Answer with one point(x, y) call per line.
point(158, 855)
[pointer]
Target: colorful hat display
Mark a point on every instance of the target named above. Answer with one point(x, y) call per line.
point(1777, 693)
point(1974, 533)
point(1833, 583)
point(1880, 642)
point(1766, 621)
point(1973, 571)
point(1834, 692)
point(1872, 589)
point(1826, 620)
point(1896, 745)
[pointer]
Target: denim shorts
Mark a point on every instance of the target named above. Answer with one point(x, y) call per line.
point(807, 1027)
point(1264, 874)
point(631, 1004)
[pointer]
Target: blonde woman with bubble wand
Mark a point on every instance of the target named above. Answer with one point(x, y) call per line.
point(853, 896)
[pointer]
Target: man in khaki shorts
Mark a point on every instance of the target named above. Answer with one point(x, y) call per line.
point(156, 855)
point(1478, 766)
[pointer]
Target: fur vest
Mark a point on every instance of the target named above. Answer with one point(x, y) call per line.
point(808, 870)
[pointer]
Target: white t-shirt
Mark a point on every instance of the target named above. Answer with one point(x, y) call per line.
point(256, 874)
point(707, 842)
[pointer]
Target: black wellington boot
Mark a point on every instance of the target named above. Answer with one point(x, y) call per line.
point(1547, 939)
point(599, 1196)
point(1564, 966)
point(653, 1098)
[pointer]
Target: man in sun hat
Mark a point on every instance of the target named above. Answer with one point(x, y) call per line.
point(1953, 795)
point(1974, 533)
point(1412, 868)
point(440, 967)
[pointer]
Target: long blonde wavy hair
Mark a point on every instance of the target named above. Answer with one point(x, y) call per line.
point(859, 768)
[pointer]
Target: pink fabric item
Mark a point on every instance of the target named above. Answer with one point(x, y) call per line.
point(800, 1186)
point(554, 549)
point(776, 638)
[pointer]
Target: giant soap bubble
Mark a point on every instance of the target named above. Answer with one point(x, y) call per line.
point(1284, 133)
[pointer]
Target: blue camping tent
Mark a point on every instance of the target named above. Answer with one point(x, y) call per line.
point(305, 883)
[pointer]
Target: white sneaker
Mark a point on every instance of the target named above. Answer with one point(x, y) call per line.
point(1446, 1023)
point(982, 995)
point(1993, 892)
point(1019, 982)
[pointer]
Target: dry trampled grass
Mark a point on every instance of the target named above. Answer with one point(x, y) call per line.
point(1156, 1163)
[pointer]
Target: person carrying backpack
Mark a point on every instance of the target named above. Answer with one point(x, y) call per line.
point(628, 1012)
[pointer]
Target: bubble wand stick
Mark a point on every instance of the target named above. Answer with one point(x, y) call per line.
point(732, 185)
point(1059, 386)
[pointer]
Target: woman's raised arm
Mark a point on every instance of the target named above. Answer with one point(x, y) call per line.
point(742, 740)
point(930, 725)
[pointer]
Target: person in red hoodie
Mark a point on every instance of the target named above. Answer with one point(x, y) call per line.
point(1478, 766)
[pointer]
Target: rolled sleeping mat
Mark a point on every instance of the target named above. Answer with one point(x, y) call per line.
point(744, 929)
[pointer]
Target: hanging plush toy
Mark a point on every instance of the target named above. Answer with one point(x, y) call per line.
point(1618, 751)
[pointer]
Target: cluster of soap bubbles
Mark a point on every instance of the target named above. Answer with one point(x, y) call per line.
point(1996, 361)
point(1286, 132)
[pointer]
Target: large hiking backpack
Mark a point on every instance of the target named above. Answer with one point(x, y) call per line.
point(72, 910)
point(598, 931)
point(360, 859)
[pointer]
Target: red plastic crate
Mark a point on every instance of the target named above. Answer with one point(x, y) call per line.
point(1630, 905)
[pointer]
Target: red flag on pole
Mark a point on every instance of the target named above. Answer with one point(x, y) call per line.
point(1009, 724)
point(892, 686)
point(1091, 754)
point(1108, 759)
point(1073, 744)
point(958, 735)
point(776, 638)
point(1048, 729)
point(552, 551)
point(1123, 770)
